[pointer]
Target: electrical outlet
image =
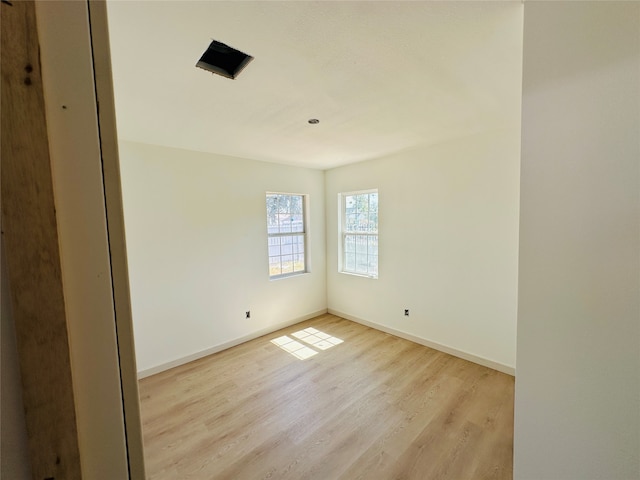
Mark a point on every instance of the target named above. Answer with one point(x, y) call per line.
point(406, 312)
point(248, 314)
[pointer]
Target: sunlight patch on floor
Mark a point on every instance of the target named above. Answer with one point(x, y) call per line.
point(317, 338)
point(311, 336)
point(296, 349)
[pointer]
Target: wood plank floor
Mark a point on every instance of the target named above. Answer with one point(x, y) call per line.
point(372, 407)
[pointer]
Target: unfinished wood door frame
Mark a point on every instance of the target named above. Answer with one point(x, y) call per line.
point(76, 52)
point(29, 230)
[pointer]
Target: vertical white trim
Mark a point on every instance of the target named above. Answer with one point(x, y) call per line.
point(74, 140)
point(116, 237)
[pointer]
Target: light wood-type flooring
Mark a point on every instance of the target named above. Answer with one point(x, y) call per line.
point(372, 407)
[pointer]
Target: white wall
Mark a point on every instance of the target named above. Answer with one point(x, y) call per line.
point(578, 383)
point(448, 244)
point(197, 243)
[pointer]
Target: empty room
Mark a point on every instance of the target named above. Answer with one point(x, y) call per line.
point(344, 239)
point(364, 164)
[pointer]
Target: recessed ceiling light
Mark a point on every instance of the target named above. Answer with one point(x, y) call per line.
point(314, 121)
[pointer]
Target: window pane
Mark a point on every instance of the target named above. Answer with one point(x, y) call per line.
point(360, 239)
point(373, 222)
point(272, 209)
point(283, 203)
point(287, 264)
point(362, 222)
point(350, 204)
point(373, 202)
point(362, 265)
point(350, 262)
point(274, 266)
point(297, 224)
point(285, 215)
point(372, 247)
point(351, 222)
point(357, 203)
point(287, 248)
point(284, 220)
point(274, 250)
point(362, 202)
point(274, 241)
point(296, 204)
point(298, 263)
point(373, 265)
point(350, 243)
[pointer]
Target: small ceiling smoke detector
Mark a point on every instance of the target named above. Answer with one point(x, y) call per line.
point(314, 121)
point(223, 60)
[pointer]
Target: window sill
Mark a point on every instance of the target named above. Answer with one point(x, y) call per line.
point(362, 275)
point(287, 275)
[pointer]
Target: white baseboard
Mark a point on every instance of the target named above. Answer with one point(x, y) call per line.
point(485, 362)
point(407, 336)
point(218, 348)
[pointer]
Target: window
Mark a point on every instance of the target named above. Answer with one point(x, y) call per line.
point(286, 234)
point(359, 233)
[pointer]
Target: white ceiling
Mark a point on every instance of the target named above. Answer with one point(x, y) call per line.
point(380, 76)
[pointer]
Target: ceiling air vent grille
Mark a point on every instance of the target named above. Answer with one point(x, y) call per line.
point(223, 60)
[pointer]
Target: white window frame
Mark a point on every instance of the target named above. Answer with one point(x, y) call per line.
point(304, 234)
point(343, 232)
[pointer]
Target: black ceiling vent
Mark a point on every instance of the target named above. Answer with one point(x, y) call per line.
point(223, 60)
